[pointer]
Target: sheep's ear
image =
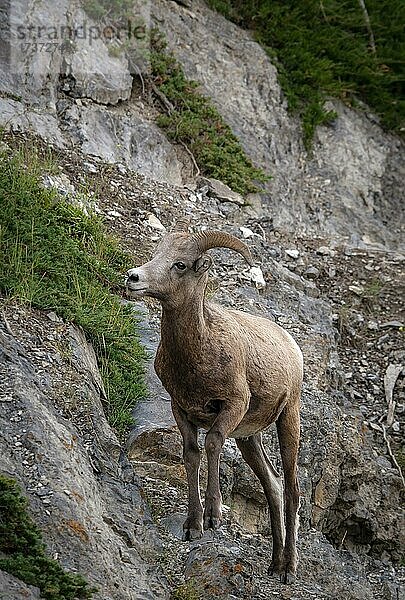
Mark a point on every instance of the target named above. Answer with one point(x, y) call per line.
point(203, 263)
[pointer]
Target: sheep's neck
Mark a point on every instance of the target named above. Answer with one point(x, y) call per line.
point(183, 326)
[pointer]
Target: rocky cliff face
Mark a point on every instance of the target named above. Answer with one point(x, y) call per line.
point(55, 440)
point(352, 184)
point(326, 233)
point(349, 188)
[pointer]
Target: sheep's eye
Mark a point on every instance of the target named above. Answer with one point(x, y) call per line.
point(180, 266)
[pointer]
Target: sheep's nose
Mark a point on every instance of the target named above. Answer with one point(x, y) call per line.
point(132, 277)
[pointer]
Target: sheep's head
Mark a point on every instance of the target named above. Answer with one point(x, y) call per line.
point(180, 265)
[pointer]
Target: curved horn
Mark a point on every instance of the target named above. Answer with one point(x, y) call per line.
point(219, 239)
point(182, 224)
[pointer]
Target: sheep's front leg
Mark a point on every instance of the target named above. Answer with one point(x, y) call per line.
point(223, 425)
point(193, 525)
point(213, 499)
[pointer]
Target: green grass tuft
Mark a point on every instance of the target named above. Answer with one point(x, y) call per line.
point(196, 123)
point(115, 9)
point(55, 257)
point(23, 554)
point(186, 591)
point(323, 49)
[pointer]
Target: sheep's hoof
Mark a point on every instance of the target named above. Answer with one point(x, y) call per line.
point(191, 534)
point(287, 577)
point(192, 529)
point(286, 574)
point(212, 522)
point(212, 513)
point(275, 569)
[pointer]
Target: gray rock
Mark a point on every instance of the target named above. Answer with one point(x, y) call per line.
point(17, 116)
point(292, 253)
point(394, 324)
point(95, 517)
point(352, 184)
point(127, 137)
point(174, 524)
point(31, 67)
point(89, 71)
point(96, 73)
point(220, 571)
point(154, 412)
point(84, 59)
point(325, 251)
point(220, 190)
point(14, 589)
point(311, 273)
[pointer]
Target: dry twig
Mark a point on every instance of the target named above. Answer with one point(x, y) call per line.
point(160, 95)
point(390, 379)
point(192, 157)
point(394, 460)
point(7, 324)
point(368, 25)
point(138, 71)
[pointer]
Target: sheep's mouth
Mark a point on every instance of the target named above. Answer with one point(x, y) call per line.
point(136, 291)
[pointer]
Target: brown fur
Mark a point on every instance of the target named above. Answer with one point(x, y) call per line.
point(232, 374)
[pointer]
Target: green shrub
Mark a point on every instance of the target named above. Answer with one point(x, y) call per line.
point(22, 551)
point(186, 591)
point(322, 49)
point(53, 256)
point(115, 9)
point(194, 122)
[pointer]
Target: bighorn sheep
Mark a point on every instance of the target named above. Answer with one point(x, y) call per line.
point(230, 373)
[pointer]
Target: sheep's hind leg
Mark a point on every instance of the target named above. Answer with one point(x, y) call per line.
point(254, 454)
point(288, 429)
point(193, 525)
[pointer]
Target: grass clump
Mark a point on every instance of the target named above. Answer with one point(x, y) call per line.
point(193, 121)
point(53, 256)
point(116, 9)
point(186, 591)
point(326, 49)
point(23, 553)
